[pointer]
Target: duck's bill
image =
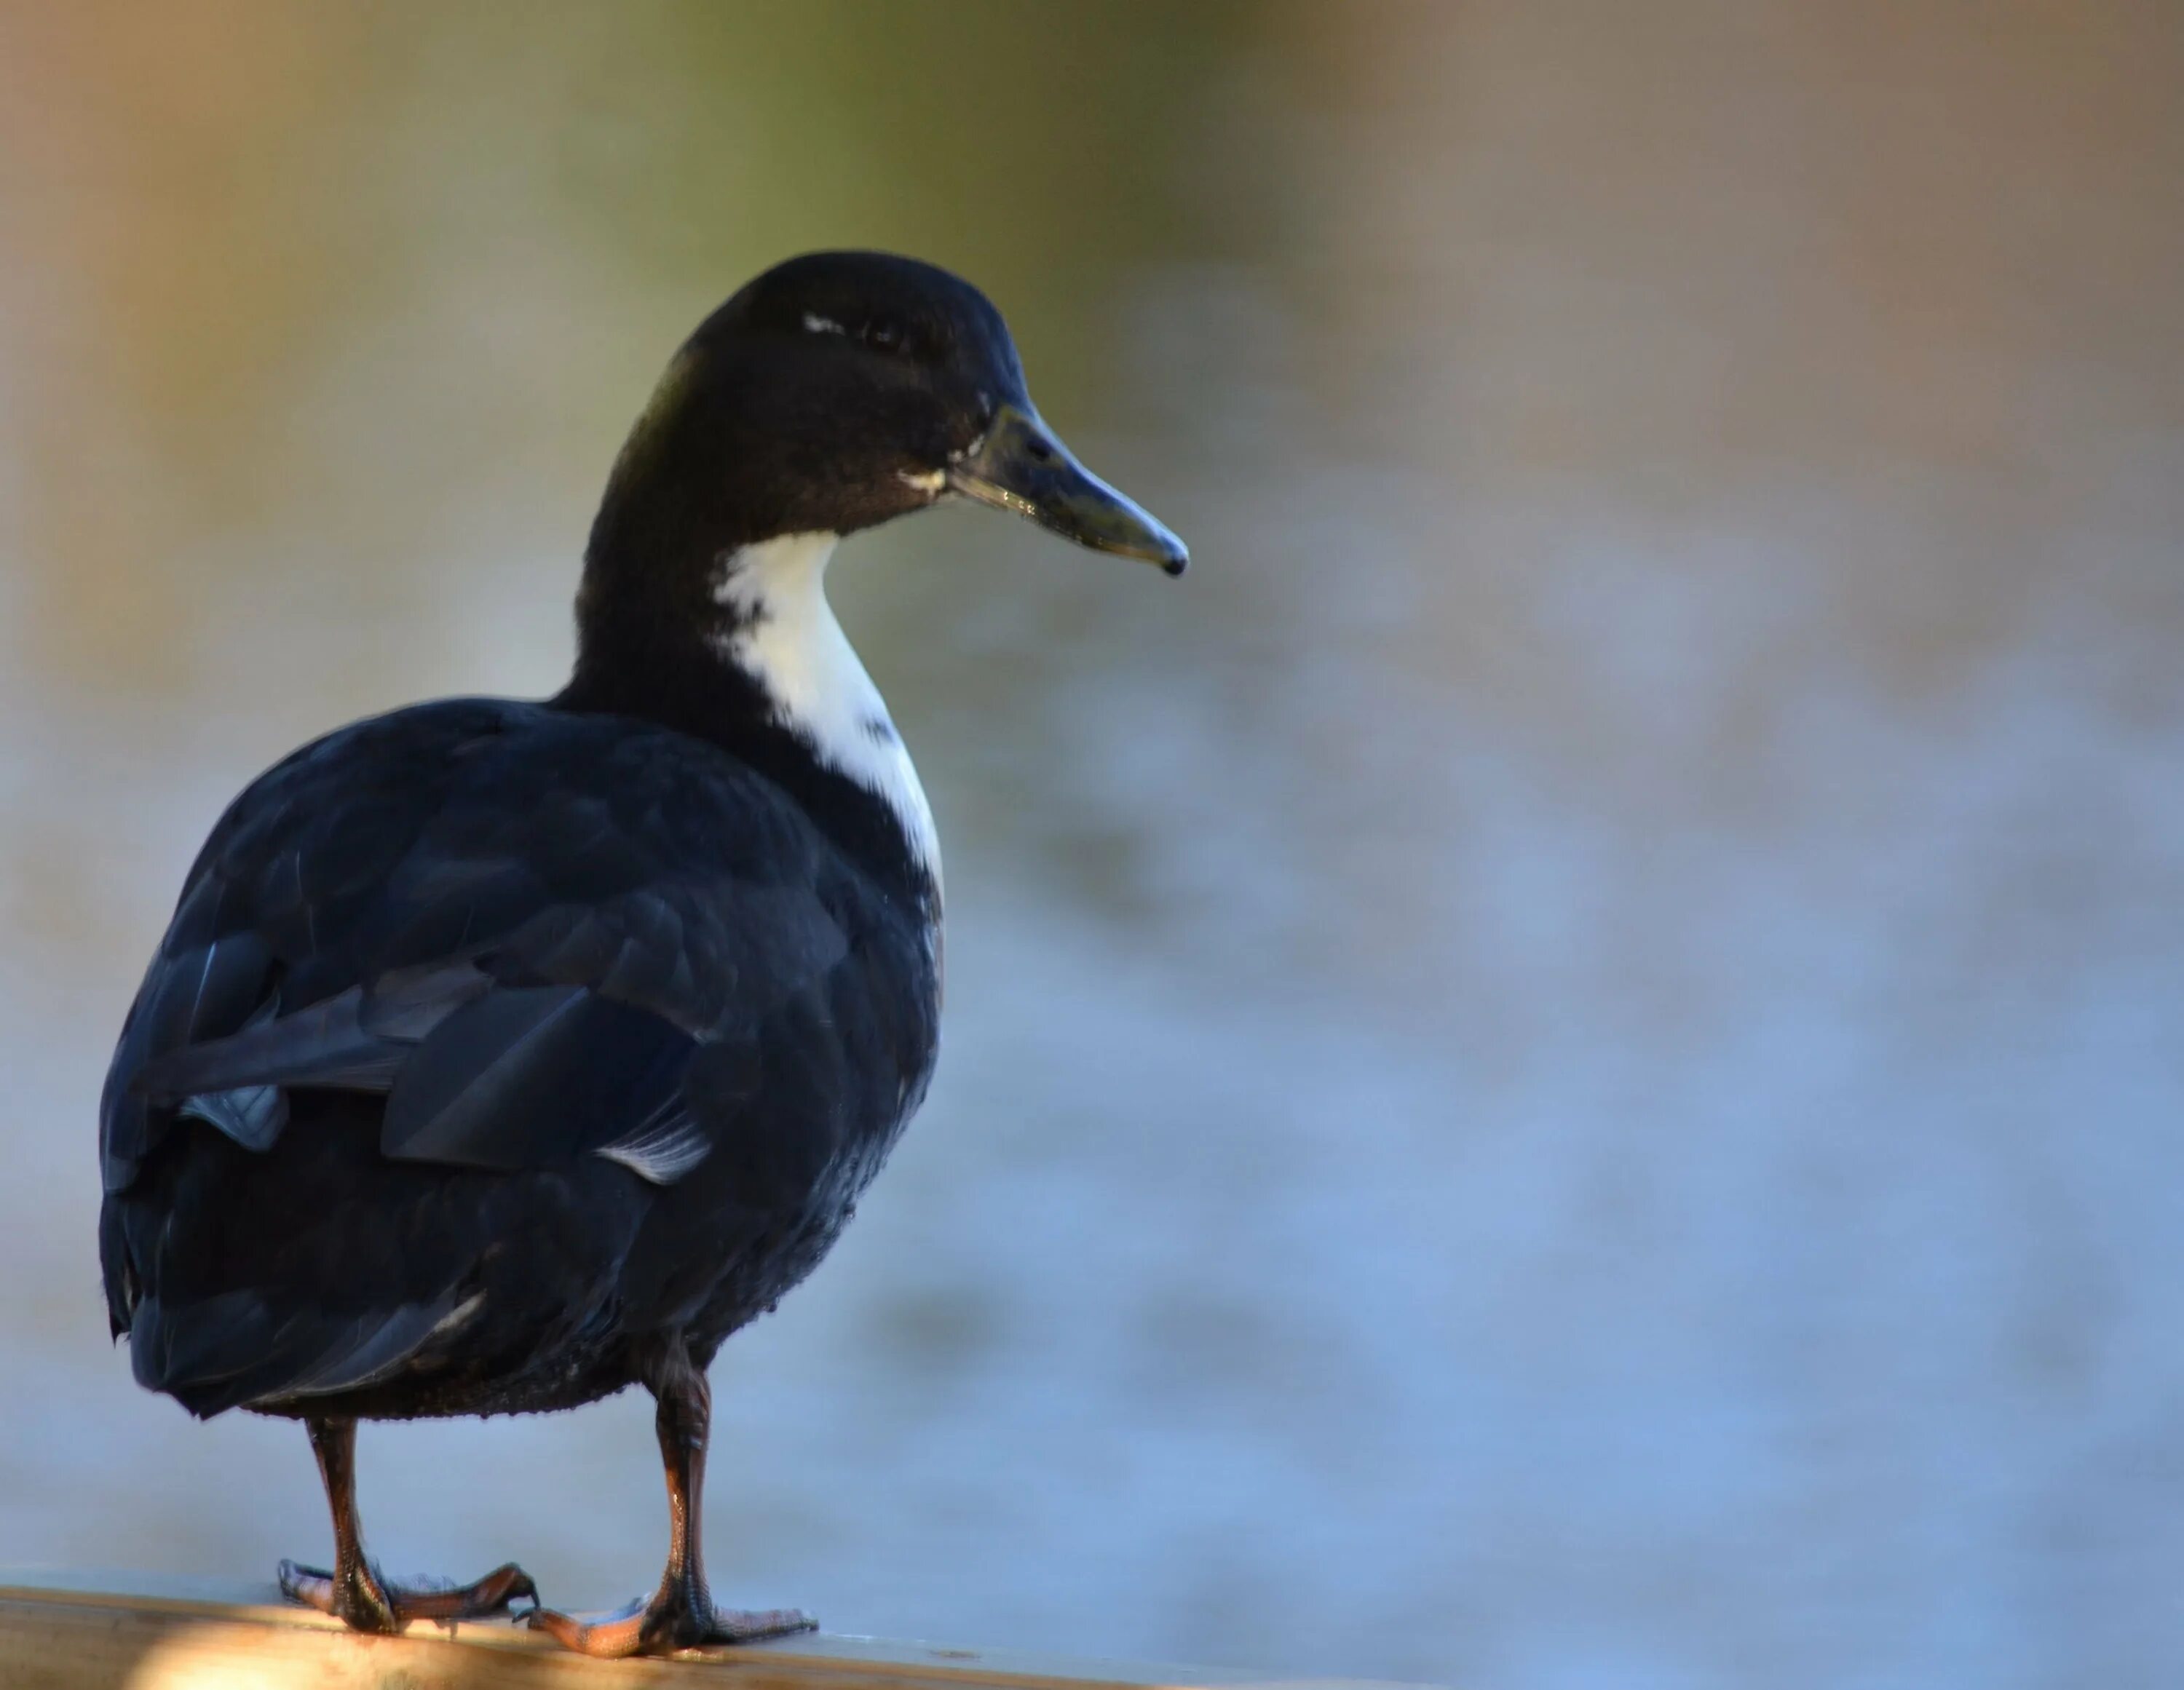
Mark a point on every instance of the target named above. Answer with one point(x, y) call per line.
point(1021, 466)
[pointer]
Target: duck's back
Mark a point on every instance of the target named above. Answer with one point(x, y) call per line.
point(488, 1037)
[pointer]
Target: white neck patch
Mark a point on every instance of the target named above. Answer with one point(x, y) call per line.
point(789, 641)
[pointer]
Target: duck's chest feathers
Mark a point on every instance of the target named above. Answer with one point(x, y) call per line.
point(781, 631)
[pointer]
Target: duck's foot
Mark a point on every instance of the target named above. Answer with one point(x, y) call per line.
point(677, 1616)
point(366, 1601)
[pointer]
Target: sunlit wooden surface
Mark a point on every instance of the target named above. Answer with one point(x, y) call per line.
point(61, 1631)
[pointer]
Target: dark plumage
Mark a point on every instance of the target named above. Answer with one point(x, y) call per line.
point(501, 1055)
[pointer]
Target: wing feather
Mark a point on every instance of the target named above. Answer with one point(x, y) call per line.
point(476, 910)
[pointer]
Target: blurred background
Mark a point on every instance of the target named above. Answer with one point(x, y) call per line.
point(1563, 1065)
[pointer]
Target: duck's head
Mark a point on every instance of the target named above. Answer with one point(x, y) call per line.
point(835, 392)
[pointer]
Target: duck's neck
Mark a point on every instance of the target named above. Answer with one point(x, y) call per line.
point(756, 663)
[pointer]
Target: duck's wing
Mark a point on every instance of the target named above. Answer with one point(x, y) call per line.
point(519, 926)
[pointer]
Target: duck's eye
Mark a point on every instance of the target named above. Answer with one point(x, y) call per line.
point(884, 336)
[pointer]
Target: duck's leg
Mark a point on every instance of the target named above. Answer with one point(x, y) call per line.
point(354, 1592)
point(680, 1615)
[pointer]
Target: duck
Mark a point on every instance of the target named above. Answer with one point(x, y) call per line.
point(502, 1055)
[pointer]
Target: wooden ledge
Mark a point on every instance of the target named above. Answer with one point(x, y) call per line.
point(66, 1631)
